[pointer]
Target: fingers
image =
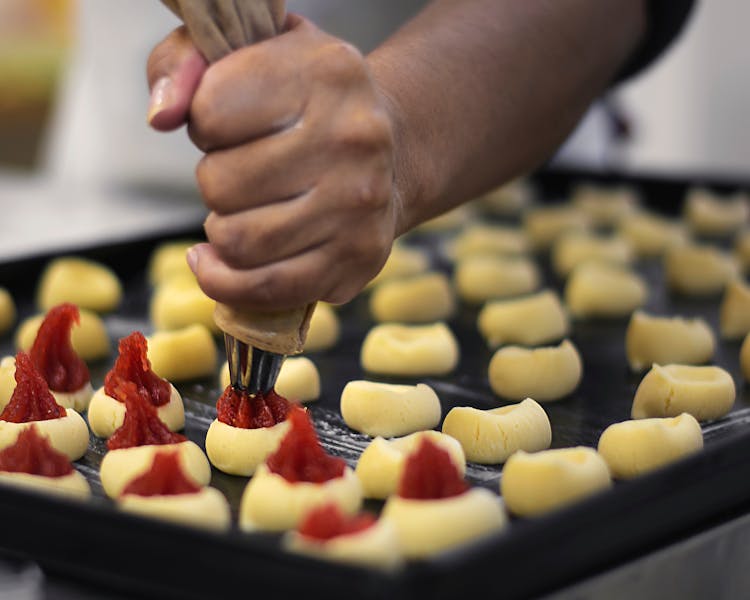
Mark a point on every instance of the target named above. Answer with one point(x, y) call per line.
point(174, 70)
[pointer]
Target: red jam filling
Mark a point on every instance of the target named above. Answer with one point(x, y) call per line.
point(31, 400)
point(132, 364)
point(141, 426)
point(239, 409)
point(327, 522)
point(53, 354)
point(164, 478)
point(429, 474)
point(300, 457)
point(33, 454)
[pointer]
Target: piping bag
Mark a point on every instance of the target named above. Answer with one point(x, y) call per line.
point(256, 342)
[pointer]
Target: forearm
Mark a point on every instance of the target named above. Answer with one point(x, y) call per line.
point(481, 91)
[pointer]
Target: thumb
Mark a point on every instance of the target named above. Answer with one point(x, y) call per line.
point(174, 70)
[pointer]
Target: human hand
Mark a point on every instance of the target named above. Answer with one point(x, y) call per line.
point(298, 171)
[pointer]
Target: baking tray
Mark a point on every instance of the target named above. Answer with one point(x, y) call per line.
point(94, 542)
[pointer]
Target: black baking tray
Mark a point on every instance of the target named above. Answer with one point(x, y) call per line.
point(93, 541)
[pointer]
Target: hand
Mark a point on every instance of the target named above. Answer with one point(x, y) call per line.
point(298, 170)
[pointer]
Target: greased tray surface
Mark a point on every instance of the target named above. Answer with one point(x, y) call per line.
point(92, 540)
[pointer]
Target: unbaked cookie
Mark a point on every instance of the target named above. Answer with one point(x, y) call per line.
point(90, 338)
point(482, 278)
point(491, 436)
point(734, 312)
point(7, 311)
point(492, 240)
point(698, 270)
point(535, 484)
point(670, 390)
point(298, 380)
point(324, 329)
point(410, 350)
point(651, 235)
point(423, 298)
point(389, 410)
point(184, 354)
point(544, 225)
point(169, 259)
point(742, 250)
point(605, 206)
point(529, 321)
point(632, 448)
point(85, 283)
point(604, 290)
point(665, 340)
point(710, 214)
point(574, 249)
point(179, 302)
point(509, 200)
point(403, 261)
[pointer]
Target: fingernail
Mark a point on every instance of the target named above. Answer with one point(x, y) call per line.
point(161, 98)
point(193, 257)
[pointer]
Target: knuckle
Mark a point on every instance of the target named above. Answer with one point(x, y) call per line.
point(205, 116)
point(226, 237)
point(369, 194)
point(338, 62)
point(367, 132)
point(211, 183)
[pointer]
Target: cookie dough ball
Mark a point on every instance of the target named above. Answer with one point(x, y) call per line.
point(574, 249)
point(403, 261)
point(271, 503)
point(448, 221)
point(83, 282)
point(179, 302)
point(709, 214)
point(650, 235)
point(410, 350)
point(424, 298)
point(119, 467)
point(745, 357)
point(106, 414)
point(664, 340)
point(489, 437)
point(239, 451)
point(605, 206)
point(529, 321)
point(169, 259)
point(68, 434)
point(298, 380)
point(670, 390)
point(7, 379)
point(742, 250)
point(492, 240)
point(206, 509)
point(325, 329)
point(389, 410)
point(7, 311)
point(696, 270)
point(545, 374)
point(380, 466)
point(90, 338)
point(544, 225)
point(184, 354)
point(482, 278)
point(632, 448)
point(69, 486)
point(428, 527)
point(509, 200)
point(734, 312)
point(535, 484)
point(604, 290)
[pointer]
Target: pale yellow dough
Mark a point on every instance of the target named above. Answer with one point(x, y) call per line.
point(206, 509)
point(403, 261)
point(604, 290)
point(377, 546)
point(7, 311)
point(665, 340)
point(544, 225)
point(698, 270)
point(509, 200)
point(380, 466)
point(7, 380)
point(545, 374)
point(240, 451)
point(742, 250)
point(489, 240)
point(169, 259)
point(185, 354)
point(605, 206)
point(423, 298)
point(535, 484)
point(78, 400)
point(71, 486)
point(271, 503)
point(324, 329)
point(575, 249)
point(428, 527)
point(83, 282)
point(179, 302)
point(745, 357)
point(632, 448)
point(453, 219)
point(389, 410)
point(482, 278)
point(120, 467)
point(107, 414)
point(651, 235)
point(410, 350)
point(489, 437)
point(529, 321)
point(710, 214)
point(298, 381)
point(670, 390)
point(734, 312)
point(89, 338)
point(68, 434)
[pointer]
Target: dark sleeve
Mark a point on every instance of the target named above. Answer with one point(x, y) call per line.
point(666, 19)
